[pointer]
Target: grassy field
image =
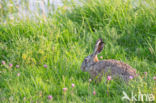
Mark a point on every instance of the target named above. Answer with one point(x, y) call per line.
point(41, 58)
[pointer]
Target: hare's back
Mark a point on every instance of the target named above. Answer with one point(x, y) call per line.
point(116, 67)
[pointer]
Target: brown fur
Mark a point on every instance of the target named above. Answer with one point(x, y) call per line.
point(114, 68)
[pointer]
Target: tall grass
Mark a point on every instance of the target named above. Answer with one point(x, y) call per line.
point(63, 40)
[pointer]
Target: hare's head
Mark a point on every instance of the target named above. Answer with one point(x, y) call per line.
point(92, 59)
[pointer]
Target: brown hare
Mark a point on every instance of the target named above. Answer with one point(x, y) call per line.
point(98, 68)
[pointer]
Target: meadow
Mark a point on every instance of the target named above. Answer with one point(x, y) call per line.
point(41, 59)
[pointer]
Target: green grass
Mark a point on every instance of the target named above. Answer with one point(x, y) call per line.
point(65, 39)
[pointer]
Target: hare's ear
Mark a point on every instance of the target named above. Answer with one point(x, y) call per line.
point(99, 46)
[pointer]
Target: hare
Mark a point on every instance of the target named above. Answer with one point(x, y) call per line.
point(98, 68)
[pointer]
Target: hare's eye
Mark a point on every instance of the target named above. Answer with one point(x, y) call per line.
point(86, 59)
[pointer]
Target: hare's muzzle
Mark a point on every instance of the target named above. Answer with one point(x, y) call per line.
point(83, 68)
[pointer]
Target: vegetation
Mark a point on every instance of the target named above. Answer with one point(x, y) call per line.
point(42, 58)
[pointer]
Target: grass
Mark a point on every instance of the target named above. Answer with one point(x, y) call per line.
point(65, 39)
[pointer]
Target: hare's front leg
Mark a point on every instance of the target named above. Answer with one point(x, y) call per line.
point(95, 76)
